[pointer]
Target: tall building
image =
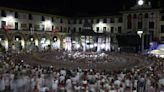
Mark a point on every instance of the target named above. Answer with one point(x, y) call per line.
point(22, 30)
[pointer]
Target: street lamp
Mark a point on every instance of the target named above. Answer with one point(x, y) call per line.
point(141, 34)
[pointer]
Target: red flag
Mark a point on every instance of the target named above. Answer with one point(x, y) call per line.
point(5, 28)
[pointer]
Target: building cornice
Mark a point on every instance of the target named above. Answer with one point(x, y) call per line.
point(31, 12)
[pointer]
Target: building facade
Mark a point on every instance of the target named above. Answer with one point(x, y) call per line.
point(26, 30)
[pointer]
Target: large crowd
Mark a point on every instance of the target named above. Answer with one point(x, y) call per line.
point(19, 76)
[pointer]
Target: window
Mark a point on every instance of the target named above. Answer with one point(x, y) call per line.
point(43, 19)
point(162, 18)
point(86, 21)
point(91, 21)
point(120, 20)
point(74, 29)
point(104, 29)
point(134, 16)
point(151, 25)
point(3, 13)
point(152, 13)
point(69, 22)
point(30, 17)
point(79, 29)
point(3, 23)
point(97, 29)
point(16, 15)
point(80, 21)
point(43, 27)
point(146, 15)
point(36, 27)
point(65, 29)
point(162, 39)
point(30, 26)
point(61, 29)
point(129, 21)
point(112, 29)
point(104, 20)
point(61, 20)
point(119, 29)
point(112, 20)
point(23, 26)
point(162, 28)
point(97, 21)
point(16, 25)
point(74, 21)
point(69, 29)
point(52, 19)
point(139, 25)
point(52, 27)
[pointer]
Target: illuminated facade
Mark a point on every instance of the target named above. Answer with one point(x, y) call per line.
point(30, 30)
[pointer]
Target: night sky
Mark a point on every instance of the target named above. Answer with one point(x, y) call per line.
point(72, 7)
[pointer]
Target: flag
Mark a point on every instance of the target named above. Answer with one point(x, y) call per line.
point(5, 28)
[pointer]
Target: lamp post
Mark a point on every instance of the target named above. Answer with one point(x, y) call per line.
point(141, 34)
